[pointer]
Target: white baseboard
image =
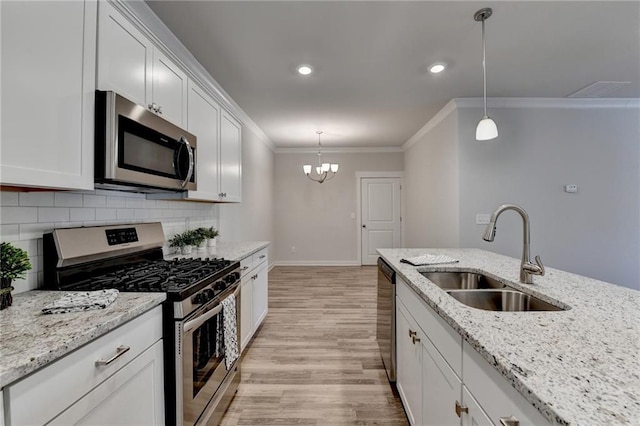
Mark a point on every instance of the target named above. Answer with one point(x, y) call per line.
point(317, 263)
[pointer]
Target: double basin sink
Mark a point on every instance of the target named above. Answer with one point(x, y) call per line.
point(483, 292)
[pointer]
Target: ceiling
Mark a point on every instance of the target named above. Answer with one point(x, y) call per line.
point(371, 86)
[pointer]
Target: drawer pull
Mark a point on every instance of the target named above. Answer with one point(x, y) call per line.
point(509, 421)
point(415, 339)
point(461, 409)
point(120, 350)
point(412, 333)
point(244, 268)
point(262, 256)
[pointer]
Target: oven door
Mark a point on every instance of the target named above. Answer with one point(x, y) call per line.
point(202, 358)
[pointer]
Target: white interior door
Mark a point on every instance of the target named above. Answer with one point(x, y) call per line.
point(380, 215)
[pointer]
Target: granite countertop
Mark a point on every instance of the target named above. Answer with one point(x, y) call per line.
point(228, 250)
point(579, 366)
point(30, 339)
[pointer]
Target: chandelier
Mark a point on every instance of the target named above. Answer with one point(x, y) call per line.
point(322, 169)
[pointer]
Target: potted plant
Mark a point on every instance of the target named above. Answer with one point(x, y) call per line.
point(14, 262)
point(210, 234)
point(194, 237)
point(203, 237)
point(179, 242)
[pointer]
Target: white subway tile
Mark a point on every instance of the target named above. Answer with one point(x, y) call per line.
point(30, 246)
point(94, 200)
point(36, 264)
point(116, 202)
point(155, 214)
point(141, 213)
point(9, 198)
point(125, 214)
point(18, 215)
point(82, 214)
point(36, 199)
point(30, 231)
point(68, 224)
point(150, 204)
point(133, 203)
point(67, 199)
point(53, 214)
point(106, 214)
point(40, 247)
point(9, 232)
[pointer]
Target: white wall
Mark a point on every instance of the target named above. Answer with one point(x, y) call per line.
point(594, 232)
point(252, 220)
point(25, 216)
point(316, 218)
point(431, 187)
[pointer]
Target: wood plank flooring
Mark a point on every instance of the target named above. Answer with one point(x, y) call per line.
point(315, 360)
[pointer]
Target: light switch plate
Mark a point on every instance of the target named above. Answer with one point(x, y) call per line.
point(482, 218)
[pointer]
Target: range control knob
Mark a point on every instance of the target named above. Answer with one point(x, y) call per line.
point(230, 278)
point(198, 299)
point(236, 275)
point(219, 286)
point(209, 294)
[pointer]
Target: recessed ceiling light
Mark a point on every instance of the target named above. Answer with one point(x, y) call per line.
point(437, 68)
point(305, 69)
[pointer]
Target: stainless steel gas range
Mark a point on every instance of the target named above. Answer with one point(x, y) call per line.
point(201, 314)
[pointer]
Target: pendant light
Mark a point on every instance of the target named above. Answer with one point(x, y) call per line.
point(322, 169)
point(486, 129)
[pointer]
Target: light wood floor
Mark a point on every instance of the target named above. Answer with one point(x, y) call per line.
point(315, 360)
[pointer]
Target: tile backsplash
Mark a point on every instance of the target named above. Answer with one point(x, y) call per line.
point(26, 216)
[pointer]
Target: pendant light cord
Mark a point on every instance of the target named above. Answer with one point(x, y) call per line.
point(484, 68)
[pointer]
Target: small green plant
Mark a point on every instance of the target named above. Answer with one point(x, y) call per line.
point(177, 240)
point(208, 232)
point(193, 237)
point(14, 262)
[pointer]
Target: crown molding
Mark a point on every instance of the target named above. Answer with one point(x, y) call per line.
point(578, 103)
point(141, 15)
point(339, 150)
point(433, 122)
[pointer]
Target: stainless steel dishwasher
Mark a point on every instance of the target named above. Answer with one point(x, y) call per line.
point(386, 322)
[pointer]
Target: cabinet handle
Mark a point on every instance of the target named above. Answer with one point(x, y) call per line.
point(262, 256)
point(412, 333)
point(509, 421)
point(461, 409)
point(415, 339)
point(244, 268)
point(120, 350)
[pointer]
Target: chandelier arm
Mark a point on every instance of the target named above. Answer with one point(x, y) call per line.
point(484, 68)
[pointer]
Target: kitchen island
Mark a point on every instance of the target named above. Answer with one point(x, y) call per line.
point(575, 366)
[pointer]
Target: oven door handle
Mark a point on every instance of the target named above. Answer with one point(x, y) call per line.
point(197, 322)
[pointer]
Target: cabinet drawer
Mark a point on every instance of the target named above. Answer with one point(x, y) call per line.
point(259, 257)
point(494, 393)
point(60, 384)
point(246, 265)
point(443, 337)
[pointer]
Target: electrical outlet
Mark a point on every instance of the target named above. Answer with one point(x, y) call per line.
point(482, 218)
point(571, 188)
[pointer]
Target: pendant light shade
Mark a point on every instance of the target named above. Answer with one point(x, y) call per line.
point(486, 129)
point(322, 169)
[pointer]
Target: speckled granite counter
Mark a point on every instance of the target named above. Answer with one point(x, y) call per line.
point(579, 366)
point(30, 339)
point(227, 250)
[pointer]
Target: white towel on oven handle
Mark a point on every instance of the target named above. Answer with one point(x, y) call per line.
point(231, 350)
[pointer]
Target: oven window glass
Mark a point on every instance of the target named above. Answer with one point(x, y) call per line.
point(208, 350)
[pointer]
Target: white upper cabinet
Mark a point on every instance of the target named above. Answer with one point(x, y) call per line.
point(125, 57)
point(230, 158)
point(203, 121)
point(48, 82)
point(129, 64)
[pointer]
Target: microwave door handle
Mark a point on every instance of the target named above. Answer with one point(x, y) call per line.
point(190, 151)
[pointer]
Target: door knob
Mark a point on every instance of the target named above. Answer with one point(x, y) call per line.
point(364, 226)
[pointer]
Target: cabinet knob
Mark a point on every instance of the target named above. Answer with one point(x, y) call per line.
point(461, 409)
point(509, 421)
point(412, 333)
point(415, 339)
point(159, 109)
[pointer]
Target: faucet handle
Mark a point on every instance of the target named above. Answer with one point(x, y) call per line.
point(534, 269)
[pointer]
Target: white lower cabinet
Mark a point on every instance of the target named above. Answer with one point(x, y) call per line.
point(254, 294)
point(132, 396)
point(430, 380)
point(115, 379)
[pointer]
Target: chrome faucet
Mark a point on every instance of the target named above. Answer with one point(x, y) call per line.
point(527, 269)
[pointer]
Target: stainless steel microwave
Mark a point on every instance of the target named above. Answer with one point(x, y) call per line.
point(137, 150)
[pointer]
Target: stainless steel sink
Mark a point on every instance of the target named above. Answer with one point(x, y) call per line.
point(462, 280)
point(504, 300)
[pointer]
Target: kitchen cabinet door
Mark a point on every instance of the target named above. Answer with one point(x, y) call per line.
point(132, 396)
point(203, 116)
point(260, 295)
point(475, 415)
point(230, 158)
point(441, 388)
point(169, 89)
point(125, 57)
point(246, 311)
point(48, 93)
point(409, 363)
